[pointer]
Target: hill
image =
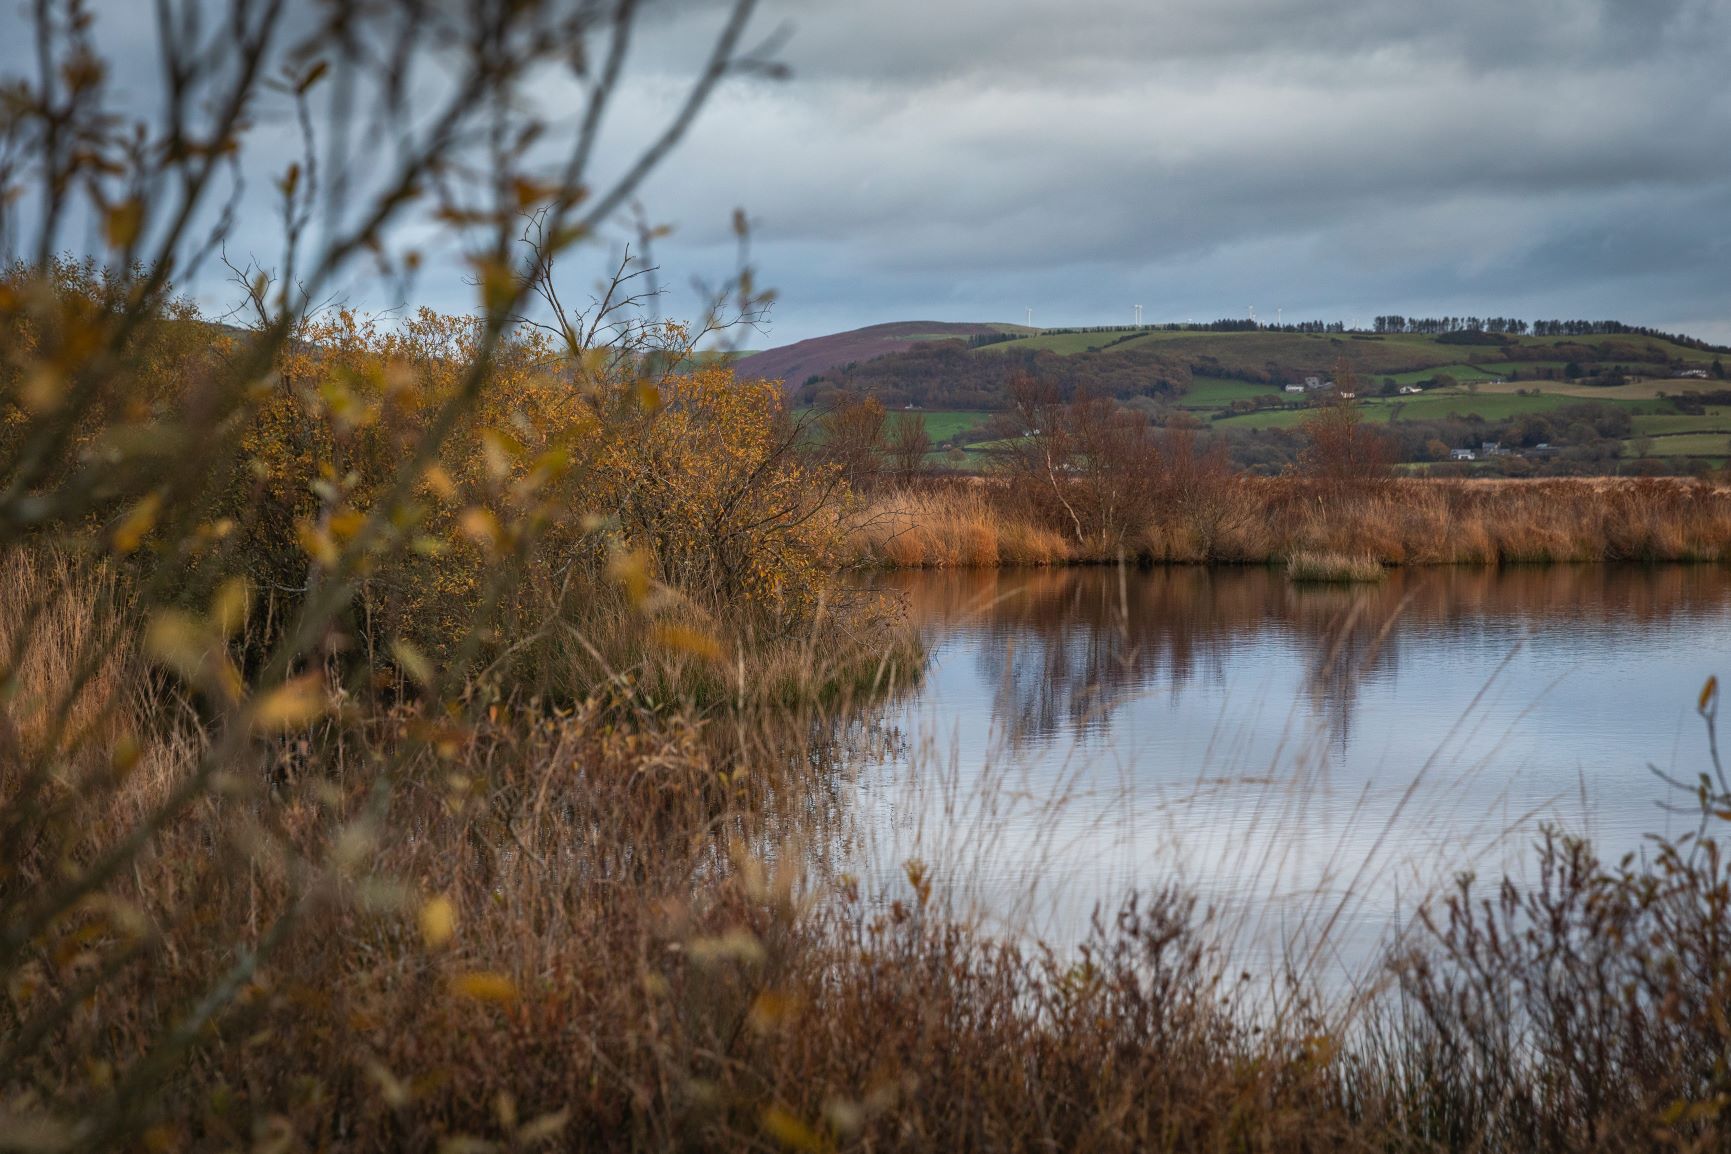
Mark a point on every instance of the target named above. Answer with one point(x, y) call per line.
point(798, 363)
point(938, 366)
point(1594, 399)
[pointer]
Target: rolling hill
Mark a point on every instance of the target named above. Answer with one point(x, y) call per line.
point(1633, 393)
point(797, 363)
point(933, 365)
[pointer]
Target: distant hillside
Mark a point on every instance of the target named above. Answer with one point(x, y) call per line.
point(918, 365)
point(798, 363)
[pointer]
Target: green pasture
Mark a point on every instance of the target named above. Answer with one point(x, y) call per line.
point(1220, 392)
point(1681, 445)
point(942, 424)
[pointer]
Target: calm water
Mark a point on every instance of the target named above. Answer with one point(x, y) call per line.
point(1311, 762)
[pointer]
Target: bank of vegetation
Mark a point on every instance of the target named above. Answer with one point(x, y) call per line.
point(1088, 481)
point(435, 734)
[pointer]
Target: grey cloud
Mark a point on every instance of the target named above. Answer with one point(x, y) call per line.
point(960, 159)
point(950, 158)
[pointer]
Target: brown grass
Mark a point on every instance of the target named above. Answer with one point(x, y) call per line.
point(1268, 520)
point(597, 928)
point(1333, 568)
point(610, 928)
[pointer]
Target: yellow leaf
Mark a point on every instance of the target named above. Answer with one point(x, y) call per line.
point(440, 482)
point(632, 571)
point(498, 285)
point(1708, 692)
point(413, 662)
point(392, 1089)
point(484, 986)
point(438, 921)
point(499, 449)
point(481, 525)
point(689, 640)
point(228, 608)
point(178, 640)
point(791, 1132)
point(345, 525)
point(137, 523)
point(125, 755)
point(291, 703)
point(317, 544)
point(43, 390)
point(122, 223)
point(542, 1128)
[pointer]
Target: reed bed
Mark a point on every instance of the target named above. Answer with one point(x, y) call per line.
point(1334, 568)
point(1250, 520)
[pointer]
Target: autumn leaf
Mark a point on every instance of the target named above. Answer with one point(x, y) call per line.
point(484, 986)
point(291, 704)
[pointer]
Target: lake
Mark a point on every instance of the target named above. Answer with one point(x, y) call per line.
point(1312, 762)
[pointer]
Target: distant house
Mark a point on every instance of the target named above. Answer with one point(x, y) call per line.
point(1492, 449)
point(1462, 455)
point(1693, 374)
point(1347, 396)
point(1410, 390)
point(1295, 388)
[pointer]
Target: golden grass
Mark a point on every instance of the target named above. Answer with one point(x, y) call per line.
point(1333, 568)
point(1411, 521)
point(608, 927)
point(949, 528)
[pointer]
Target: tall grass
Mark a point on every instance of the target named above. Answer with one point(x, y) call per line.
point(610, 926)
point(1251, 520)
point(1333, 568)
point(428, 736)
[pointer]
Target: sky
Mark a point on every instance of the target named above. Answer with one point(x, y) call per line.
point(967, 160)
point(1330, 159)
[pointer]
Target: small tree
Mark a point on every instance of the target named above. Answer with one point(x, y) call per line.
point(1086, 464)
point(853, 438)
point(1341, 449)
point(908, 445)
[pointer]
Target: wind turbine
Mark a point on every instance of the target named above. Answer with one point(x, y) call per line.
point(1030, 316)
point(1138, 316)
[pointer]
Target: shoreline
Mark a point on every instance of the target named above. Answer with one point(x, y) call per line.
point(982, 523)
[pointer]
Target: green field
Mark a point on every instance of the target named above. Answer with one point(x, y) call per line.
point(942, 424)
point(1435, 405)
point(1713, 445)
point(1460, 373)
point(1064, 344)
point(1220, 392)
point(1717, 419)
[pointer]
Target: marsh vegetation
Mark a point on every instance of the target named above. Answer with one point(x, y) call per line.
point(436, 732)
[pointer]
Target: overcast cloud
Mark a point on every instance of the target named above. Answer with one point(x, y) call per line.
point(1332, 159)
point(960, 160)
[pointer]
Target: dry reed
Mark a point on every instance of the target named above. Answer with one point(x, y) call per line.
point(1268, 520)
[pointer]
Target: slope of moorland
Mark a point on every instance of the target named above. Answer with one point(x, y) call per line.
point(819, 356)
point(1150, 361)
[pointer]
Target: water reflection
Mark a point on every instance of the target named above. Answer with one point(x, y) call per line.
point(1064, 647)
point(1277, 746)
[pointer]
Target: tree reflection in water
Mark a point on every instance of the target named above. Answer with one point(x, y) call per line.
point(1066, 647)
